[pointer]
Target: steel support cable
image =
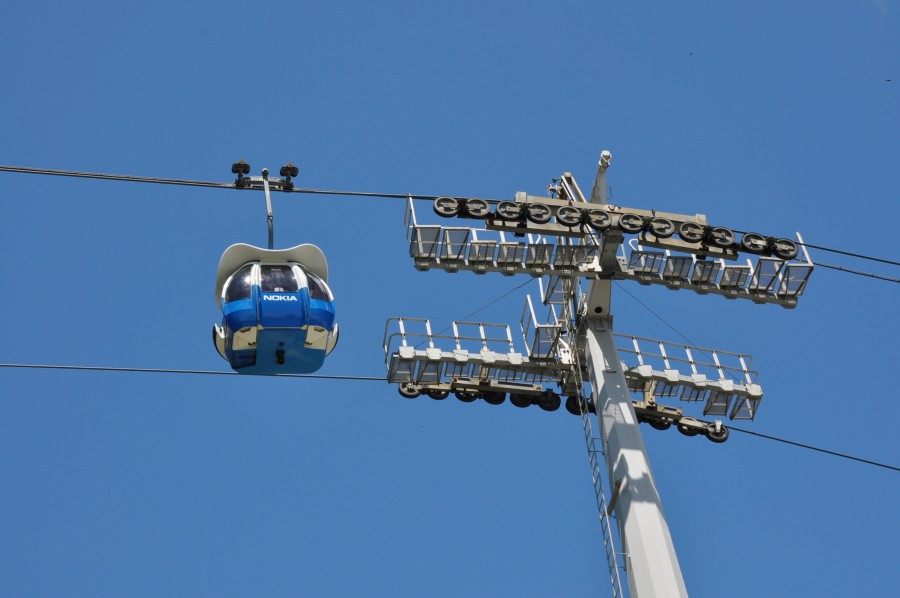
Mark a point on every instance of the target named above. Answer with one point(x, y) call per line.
point(32, 366)
point(829, 249)
point(114, 177)
point(663, 320)
point(857, 272)
point(858, 255)
point(215, 185)
point(735, 378)
point(482, 308)
point(730, 427)
point(168, 371)
point(815, 448)
point(678, 332)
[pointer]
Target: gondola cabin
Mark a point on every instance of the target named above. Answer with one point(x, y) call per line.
point(277, 310)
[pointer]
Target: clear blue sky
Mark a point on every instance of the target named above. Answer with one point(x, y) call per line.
point(765, 116)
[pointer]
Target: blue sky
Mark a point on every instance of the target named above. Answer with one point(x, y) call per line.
point(763, 116)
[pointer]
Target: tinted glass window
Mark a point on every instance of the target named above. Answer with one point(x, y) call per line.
point(317, 288)
point(239, 287)
point(278, 279)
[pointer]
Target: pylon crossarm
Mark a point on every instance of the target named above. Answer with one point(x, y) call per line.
point(434, 361)
point(720, 381)
point(704, 260)
point(765, 280)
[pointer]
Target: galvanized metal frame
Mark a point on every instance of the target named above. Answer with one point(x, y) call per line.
point(576, 342)
point(605, 256)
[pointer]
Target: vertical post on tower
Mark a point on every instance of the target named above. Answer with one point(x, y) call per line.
point(651, 562)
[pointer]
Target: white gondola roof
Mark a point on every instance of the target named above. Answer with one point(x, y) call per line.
point(309, 256)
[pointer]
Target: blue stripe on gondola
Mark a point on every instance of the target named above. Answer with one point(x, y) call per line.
point(281, 322)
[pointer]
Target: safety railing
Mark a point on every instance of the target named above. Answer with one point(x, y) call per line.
point(765, 280)
point(722, 381)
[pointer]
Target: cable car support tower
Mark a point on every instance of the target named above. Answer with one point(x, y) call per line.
point(569, 242)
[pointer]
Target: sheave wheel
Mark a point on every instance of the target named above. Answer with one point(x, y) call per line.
point(438, 395)
point(408, 390)
point(568, 216)
point(717, 437)
point(690, 232)
point(631, 223)
point(520, 401)
point(785, 249)
point(538, 213)
point(446, 207)
point(549, 401)
point(599, 220)
point(662, 228)
point(477, 208)
point(509, 210)
point(754, 243)
point(493, 397)
point(721, 236)
point(687, 431)
point(466, 396)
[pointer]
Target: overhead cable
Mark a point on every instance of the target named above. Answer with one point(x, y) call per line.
point(829, 249)
point(114, 177)
point(217, 185)
point(736, 379)
point(858, 255)
point(483, 307)
point(857, 272)
point(190, 183)
point(815, 448)
point(661, 319)
point(373, 379)
point(168, 371)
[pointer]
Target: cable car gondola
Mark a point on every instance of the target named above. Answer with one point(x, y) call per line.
point(277, 309)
